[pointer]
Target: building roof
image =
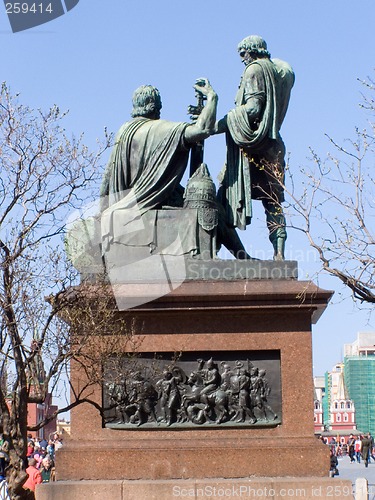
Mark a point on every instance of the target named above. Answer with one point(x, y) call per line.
point(365, 344)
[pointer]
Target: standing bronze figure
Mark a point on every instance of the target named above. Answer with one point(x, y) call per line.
point(255, 150)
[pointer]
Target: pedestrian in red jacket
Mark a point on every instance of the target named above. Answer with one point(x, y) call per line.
point(34, 477)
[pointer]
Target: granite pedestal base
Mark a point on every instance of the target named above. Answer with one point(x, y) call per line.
point(211, 316)
point(255, 488)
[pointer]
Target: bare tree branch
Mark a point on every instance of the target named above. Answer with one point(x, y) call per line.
point(44, 176)
point(334, 207)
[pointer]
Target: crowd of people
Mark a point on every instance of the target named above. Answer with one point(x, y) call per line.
point(359, 448)
point(41, 463)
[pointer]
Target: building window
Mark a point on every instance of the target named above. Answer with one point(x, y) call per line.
point(348, 404)
point(342, 405)
point(338, 417)
point(346, 417)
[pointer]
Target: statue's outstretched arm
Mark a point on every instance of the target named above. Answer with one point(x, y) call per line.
point(205, 124)
point(221, 126)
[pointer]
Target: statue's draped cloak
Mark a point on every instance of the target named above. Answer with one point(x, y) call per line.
point(149, 158)
point(245, 138)
point(146, 166)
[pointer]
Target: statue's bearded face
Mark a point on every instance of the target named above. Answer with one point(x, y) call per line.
point(245, 56)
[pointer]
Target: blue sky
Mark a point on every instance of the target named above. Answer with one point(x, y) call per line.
point(90, 60)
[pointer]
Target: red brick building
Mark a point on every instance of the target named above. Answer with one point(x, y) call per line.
point(38, 412)
point(334, 411)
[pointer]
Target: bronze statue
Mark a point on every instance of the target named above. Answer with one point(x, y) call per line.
point(150, 155)
point(255, 150)
point(147, 163)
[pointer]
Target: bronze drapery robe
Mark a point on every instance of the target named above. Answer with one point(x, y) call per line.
point(273, 83)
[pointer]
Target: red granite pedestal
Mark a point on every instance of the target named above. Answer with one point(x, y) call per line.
point(209, 316)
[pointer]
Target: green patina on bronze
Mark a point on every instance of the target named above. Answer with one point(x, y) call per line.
point(255, 150)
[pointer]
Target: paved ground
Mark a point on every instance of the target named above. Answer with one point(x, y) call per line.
point(355, 470)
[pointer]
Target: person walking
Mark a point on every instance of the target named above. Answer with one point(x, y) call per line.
point(351, 442)
point(365, 449)
point(33, 479)
point(371, 452)
point(357, 449)
point(47, 470)
point(334, 463)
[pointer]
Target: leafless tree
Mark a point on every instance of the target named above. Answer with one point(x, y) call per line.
point(44, 176)
point(333, 204)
